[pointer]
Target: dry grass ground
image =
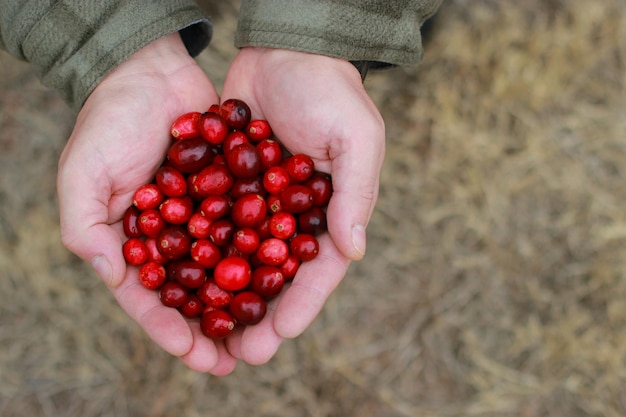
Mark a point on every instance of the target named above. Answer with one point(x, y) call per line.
point(495, 278)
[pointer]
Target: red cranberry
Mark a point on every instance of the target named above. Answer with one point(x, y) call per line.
point(190, 155)
point(217, 324)
point(248, 308)
point(185, 126)
point(232, 274)
point(213, 128)
point(172, 294)
point(236, 113)
point(152, 275)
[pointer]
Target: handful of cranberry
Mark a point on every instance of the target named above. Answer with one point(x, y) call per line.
point(227, 220)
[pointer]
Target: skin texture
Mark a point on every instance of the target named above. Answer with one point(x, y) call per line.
point(121, 136)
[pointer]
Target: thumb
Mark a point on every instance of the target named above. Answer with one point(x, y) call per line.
point(355, 175)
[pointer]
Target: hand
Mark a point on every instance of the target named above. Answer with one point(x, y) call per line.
point(316, 105)
point(119, 140)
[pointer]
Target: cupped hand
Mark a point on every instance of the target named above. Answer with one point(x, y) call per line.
point(119, 140)
point(318, 106)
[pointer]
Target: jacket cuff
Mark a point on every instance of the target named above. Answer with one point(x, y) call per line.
point(378, 31)
point(73, 47)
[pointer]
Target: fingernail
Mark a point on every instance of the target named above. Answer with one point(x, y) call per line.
point(358, 239)
point(103, 267)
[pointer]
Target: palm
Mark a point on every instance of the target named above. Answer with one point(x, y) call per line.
point(316, 105)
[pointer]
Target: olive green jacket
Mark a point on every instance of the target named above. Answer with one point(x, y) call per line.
point(73, 44)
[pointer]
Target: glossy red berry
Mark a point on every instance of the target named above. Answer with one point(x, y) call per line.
point(283, 225)
point(248, 308)
point(300, 167)
point(151, 222)
point(232, 274)
point(185, 126)
point(130, 222)
point(276, 179)
point(267, 281)
point(304, 246)
point(174, 242)
point(270, 152)
point(312, 221)
point(177, 210)
point(296, 198)
point(321, 188)
point(152, 275)
point(190, 155)
point(273, 251)
point(249, 210)
point(135, 251)
point(147, 197)
point(244, 161)
point(172, 294)
point(214, 296)
point(246, 240)
point(198, 226)
point(217, 324)
point(205, 252)
point(192, 307)
point(236, 113)
point(215, 179)
point(171, 181)
point(213, 128)
point(190, 274)
point(259, 130)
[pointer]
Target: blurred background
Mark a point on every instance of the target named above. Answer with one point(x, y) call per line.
point(495, 276)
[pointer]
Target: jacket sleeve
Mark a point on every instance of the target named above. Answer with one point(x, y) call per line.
point(73, 44)
point(381, 31)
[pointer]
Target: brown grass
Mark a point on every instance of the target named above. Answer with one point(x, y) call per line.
point(494, 280)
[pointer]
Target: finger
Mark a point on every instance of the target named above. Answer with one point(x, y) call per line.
point(355, 174)
point(207, 355)
point(311, 287)
point(164, 325)
point(260, 342)
point(84, 218)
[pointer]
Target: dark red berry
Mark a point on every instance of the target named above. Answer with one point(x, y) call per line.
point(236, 113)
point(130, 222)
point(304, 246)
point(249, 210)
point(174, 242)
point(217, 324)
point(248, 308)
point(244, 161)
point(190, 155)
point(193, 307)
point(171, 181)
point(172, 294)
point(267, 281)
point(296, 199)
